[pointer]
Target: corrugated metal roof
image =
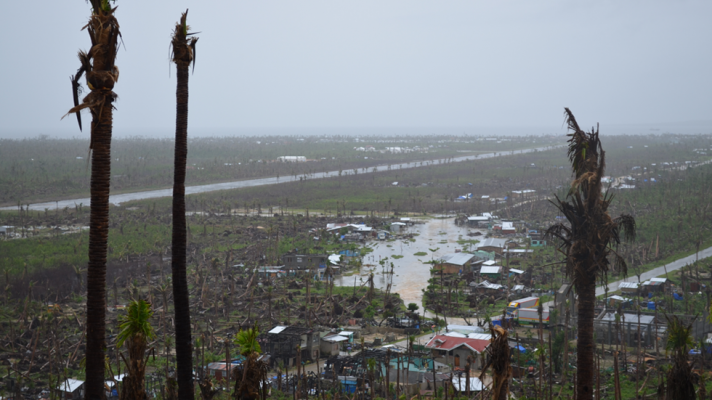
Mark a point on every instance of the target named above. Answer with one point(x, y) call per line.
point(335, 338)
point(629, 318)
point(455, 334)
point(465, 328)
point(492, 242)
point(479, 336)
point(628, 285)
point(70, 385)
point(218, 366)
point(457, 258)
point(488, 285)
point(277, 329)
point(619, 298)
point(490, 270)
point(442, 342)
point(516, 271)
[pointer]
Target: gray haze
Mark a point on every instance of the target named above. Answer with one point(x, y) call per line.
point(359, 67)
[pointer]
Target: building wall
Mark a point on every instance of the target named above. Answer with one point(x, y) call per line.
point(448, 268)
point(329, 347)
point(304, 261)
point(451, 357)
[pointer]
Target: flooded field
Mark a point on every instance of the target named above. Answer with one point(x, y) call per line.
point(410, 274)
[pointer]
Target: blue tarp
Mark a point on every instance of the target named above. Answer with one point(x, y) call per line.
point(521, 349)
point(651, 305)
point(498, 321)
point(677, 296)
point(348, 386)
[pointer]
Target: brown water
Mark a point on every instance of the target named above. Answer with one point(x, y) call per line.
point(410, 275)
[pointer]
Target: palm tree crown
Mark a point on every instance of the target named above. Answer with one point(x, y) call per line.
point(590, 233)
point(246, 340)
point(587, 239)
point(136, 322)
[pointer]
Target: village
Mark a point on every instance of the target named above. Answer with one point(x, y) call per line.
point(471, 281)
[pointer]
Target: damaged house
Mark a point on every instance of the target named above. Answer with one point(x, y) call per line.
point(281, 344)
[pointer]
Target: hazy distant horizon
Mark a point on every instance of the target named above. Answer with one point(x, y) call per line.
point(372, 67)
point(672, 128)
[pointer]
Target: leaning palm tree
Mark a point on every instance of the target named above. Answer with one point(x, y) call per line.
point(183, 56)
point(252, 372)
point(679, 376)
point(135, 330)
point(587, 239)
point(101, 75)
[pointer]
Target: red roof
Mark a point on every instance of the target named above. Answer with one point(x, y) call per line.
point(442, 342)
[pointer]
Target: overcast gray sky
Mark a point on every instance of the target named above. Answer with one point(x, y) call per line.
point(370, 66)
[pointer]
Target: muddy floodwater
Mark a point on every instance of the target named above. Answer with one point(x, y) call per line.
point(410, 274)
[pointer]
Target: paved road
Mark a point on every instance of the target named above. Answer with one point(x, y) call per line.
point(673, 266)
point(150, 194)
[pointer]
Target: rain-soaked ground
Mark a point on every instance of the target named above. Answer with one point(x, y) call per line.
point(150, 194)
point(410, 274)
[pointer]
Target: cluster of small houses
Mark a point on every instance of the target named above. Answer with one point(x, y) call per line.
point(294, 262)
point(515, 194)
point(445, 353)
point(360, 232)
point(442, 358)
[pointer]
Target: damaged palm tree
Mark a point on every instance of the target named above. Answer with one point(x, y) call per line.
point(250, 375)
point(498, 352)
point(136, 330)
point(101, 74)
point(183, 56)
point(587, 240)
point(679, 377)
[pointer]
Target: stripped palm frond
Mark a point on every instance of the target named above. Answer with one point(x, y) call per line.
point(498, 359)
point(183, 48)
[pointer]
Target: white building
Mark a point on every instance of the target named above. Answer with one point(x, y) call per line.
point(292, 159)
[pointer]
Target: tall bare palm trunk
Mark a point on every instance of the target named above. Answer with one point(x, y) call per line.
point(584, 345)
point(101, 75)
point(96, 272)
point(182, 56)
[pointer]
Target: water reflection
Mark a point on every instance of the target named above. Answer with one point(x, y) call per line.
point(410, 274)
